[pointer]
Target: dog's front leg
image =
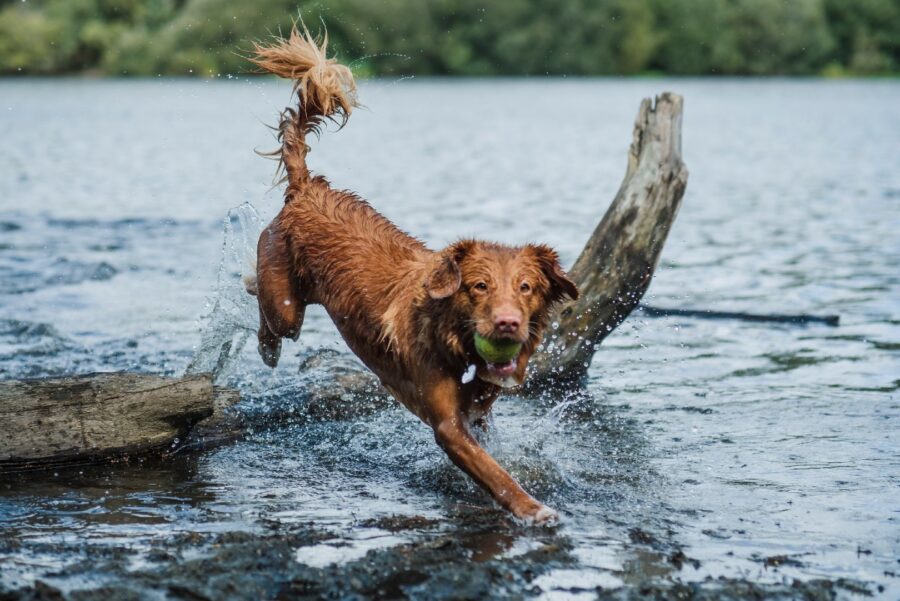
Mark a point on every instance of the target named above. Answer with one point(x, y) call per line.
point(280, 308)
point(452, 434)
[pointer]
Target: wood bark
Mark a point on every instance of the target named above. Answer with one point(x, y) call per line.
point(83, 419)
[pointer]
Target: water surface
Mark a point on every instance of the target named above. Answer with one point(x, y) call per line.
point(758, 451)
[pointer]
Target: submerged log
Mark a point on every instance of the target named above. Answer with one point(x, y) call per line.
point(84, 419)
point(800, 319)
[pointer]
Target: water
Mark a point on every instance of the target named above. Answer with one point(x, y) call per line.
point(728, 442)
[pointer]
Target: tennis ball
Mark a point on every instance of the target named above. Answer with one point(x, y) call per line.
point(496, 351)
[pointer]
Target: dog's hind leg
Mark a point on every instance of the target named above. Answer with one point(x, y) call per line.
point(281, 308)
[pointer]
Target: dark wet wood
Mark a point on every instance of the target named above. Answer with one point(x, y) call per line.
point(84, 419)
point(800, 319)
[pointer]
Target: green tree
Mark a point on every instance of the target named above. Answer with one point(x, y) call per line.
point(774, 37)
point(459, 37)
point(633, 36)
point(28, 41)
point(867, 34)
point(693, 37)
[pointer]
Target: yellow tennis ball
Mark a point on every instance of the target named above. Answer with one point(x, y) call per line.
point(496, 351)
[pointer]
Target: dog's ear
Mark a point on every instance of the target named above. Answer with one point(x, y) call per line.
point(445, 276)
point(560, 284)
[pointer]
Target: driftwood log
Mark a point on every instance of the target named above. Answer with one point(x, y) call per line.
point(83, 419)
point(614, 269)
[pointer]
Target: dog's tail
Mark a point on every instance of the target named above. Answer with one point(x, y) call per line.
point(325, 89)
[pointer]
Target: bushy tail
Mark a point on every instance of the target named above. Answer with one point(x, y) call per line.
point(325, 89)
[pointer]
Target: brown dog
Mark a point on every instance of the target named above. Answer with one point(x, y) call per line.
point(409, 313)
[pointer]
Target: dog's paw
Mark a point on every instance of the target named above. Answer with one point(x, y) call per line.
point(545, 516)
point(539, 515)
point(250, 284)
point(270, 354)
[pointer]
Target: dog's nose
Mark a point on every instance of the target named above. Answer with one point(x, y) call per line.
point(507, 323)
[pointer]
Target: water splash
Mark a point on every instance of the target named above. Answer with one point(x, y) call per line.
point(233, 316)
point(354, 64)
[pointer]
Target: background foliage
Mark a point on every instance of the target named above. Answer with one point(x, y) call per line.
point(460, 37)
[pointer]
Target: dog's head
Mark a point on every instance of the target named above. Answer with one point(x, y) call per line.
point(500, 294)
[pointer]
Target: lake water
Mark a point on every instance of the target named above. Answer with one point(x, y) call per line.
point(761, 452)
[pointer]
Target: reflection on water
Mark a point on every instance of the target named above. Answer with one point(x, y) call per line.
point(700, 449)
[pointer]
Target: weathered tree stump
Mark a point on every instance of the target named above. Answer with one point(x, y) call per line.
point(618, 261)
point(83, 419)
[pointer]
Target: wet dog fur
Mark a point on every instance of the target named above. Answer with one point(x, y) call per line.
point(409, 313)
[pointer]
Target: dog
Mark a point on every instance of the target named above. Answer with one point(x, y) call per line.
point(412, 315)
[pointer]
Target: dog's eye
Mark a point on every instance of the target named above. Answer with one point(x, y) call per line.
point(480, 286)
point(525, 288)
